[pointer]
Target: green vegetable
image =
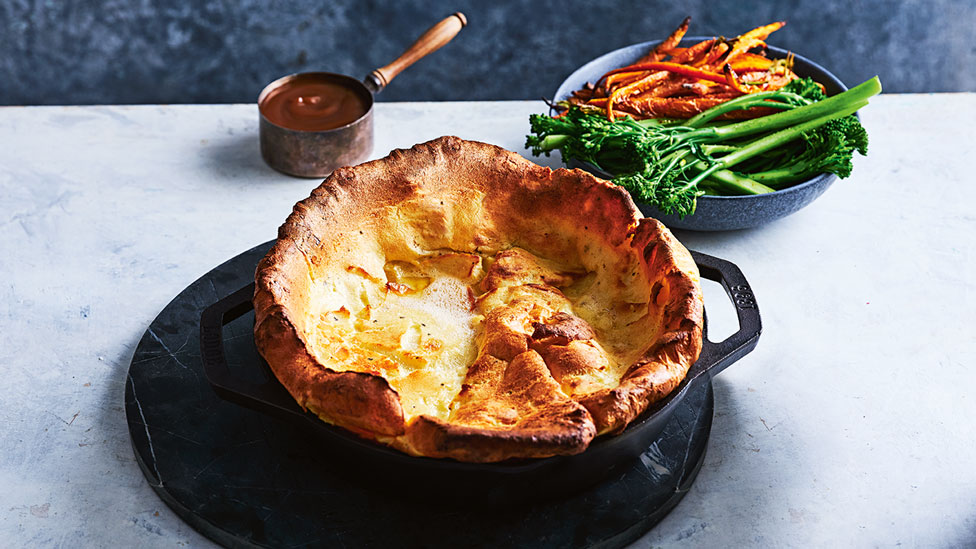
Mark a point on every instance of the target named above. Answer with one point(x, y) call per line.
point(829, 148)
point(670, 164)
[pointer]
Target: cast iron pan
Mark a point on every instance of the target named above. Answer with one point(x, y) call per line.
point(493, 482)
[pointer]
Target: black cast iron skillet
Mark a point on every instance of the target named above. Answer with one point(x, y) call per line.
point(493, 482)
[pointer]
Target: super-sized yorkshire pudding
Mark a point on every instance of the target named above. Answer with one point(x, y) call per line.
point(456, 300)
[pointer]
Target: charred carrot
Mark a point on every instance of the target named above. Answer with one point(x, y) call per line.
point(624, 78)
point(697, 71)
point(714, 54)
point(732, 81)
point(634, 88)
point(753, 38)
point(751, 62)
point(664, 48)
point(694, 52)
point(676, 68)
point(687, 107)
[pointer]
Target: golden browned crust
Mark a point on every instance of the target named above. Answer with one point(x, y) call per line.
point(534, 389)
point(664, 365)
point(351, 399)
point(506, 409)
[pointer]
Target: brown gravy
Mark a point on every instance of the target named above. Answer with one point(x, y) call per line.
point(312, 103)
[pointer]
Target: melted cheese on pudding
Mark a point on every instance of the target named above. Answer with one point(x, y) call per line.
point(421, 324)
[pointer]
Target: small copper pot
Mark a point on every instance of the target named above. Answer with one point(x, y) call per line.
point(316, 154)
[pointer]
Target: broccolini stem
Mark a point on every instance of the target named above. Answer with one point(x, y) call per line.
point(731, 182)
point(773, 99)
point(712, 149)
point(781, 177)
point(741, 184)
point(552, 142)
point(774, 140)
point(856, 95)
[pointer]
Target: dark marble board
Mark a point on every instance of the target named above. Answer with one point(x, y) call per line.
point(245, 479)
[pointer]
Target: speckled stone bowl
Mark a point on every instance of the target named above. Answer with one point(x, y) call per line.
point(716, 213)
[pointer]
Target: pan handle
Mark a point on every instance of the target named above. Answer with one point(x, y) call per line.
point(269, 396)
point(429, 42)
point(715, 357)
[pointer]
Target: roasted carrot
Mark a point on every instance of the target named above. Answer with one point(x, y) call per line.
point(701, 88)
point(624, 78)
point(674, 107)
point(710, 70)
point(673, 87)
point(732, 81)
point(597, 106)
point(664, 48)
point(686, 107)
point(677, 68)
point(648, 81)
point(747, 62)
point(714, 54)
point(753, 38)
point(583, 94)
point(694, 52)
point(767, 81)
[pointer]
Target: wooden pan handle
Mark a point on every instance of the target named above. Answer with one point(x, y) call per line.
point(429, 42)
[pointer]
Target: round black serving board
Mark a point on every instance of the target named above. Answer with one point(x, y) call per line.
point(245, 479)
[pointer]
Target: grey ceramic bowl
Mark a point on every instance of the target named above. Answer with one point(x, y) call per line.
point(715, 213)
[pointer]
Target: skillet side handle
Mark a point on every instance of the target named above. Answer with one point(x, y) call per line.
point(715, 357)
point(434, 39)
point(267, 396)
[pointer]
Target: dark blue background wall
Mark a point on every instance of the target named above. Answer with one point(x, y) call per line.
point(222, 51)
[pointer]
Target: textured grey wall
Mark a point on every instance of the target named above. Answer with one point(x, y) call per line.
point(223, 51)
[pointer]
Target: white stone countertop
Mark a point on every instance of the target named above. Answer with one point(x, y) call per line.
point(852, 424)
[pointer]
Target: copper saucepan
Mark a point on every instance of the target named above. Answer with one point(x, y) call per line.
point(314, 122)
